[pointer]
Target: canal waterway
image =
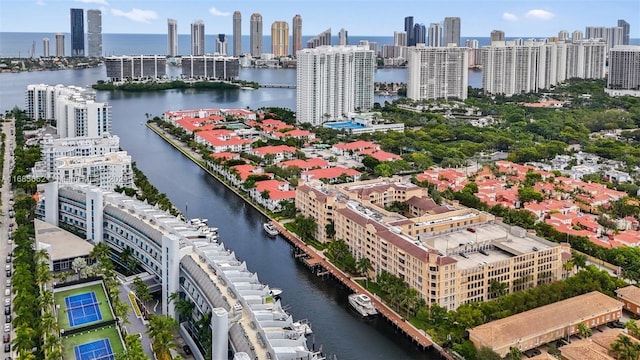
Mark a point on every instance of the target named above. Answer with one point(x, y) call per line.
point(336, 328)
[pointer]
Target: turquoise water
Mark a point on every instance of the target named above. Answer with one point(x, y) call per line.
point(339, 125)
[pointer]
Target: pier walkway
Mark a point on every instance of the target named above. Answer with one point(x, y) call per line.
point(314, 259)
point(278, 86)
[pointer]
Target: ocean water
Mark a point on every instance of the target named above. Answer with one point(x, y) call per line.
point(20, 44)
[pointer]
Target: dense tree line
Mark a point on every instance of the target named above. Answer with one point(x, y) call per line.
point(175, 84)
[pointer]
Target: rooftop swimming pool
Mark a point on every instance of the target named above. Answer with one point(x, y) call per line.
point(339, 125)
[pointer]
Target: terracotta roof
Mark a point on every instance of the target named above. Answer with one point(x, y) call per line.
point(330, 173)
point(584, 349)
point(308, 189)
point(427, 204)
point(225, 155)
point(546, 318)
point(386, 235)
point(305, 164)
point(261, 151)
point(356, 145)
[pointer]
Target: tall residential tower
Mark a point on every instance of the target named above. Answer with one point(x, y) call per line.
point(172, 37)
point(624, 71)
point(197, 38)
point(435, 35)
point(60, 44)
point(45, 47)
point(451, 31)
point(256, 35)
point(237, 33)
point(296, 38)
point(94, 32)
point(333, 81)
point(626, 28)
point(77, 32)
point(408, 28)
point(280, 38)
point(437, 72)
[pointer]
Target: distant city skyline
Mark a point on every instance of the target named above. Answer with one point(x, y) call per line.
point(527, 18)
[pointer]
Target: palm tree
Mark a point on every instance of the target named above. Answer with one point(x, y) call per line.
point(625, 349)
point(584, 330)
point(100, 253)
point(632, 328)
point(497, 288)
point(580, 260)
point(161, 328)
point(142, 291)
point(363, 266)
point(24, 340)
point(410, 299)
point(514, 354)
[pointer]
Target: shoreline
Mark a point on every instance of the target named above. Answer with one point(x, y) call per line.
point(418, 336)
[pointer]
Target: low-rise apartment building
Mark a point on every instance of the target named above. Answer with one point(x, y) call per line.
point(630, 297)
point(545, 324)
point(451, 255)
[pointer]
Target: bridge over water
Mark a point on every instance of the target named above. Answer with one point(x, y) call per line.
point(278, 86)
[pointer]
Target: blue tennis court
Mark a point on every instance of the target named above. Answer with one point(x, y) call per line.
point(343, 125)
point(99, 349)
point(83, 309)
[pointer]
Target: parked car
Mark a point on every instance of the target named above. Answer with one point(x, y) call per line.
point(7, 319)
point(7, 310)
point(186, 349)
point(7, 348)
point(7, 328)
point(616, 324)
point(6, 338)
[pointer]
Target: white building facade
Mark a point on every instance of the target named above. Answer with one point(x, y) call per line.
point(624, 71)
point(51, 149)
point(510, 68)
point(74, 109)
point(437, 72)
point(181, 258)
point(104, 171)
point(333, 81)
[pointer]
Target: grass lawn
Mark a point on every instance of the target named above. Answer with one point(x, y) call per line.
point(109, 332)
point(101, 296)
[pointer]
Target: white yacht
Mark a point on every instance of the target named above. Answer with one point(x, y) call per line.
point(362, 304)
point(270, 229)
point(302, 327)
point(275, 292)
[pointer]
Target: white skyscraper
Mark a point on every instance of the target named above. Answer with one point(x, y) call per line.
point(399, 38)
point(172, 37)
point(437, 72)
point(586, 59)
point(576, 35)
point(624, 71)
point(333, 81)
point(511, 69)
point(612, 35)
point(343, 37)
point(45, 47)
point(197, 38)
point(563, 35)
point(59, 44)
point(435, 35)
point(74, 109)
point(94, 32)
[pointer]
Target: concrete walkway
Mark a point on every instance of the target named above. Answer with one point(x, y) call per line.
point(136, 325)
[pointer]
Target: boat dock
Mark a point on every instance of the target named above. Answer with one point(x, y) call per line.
point(318, 263)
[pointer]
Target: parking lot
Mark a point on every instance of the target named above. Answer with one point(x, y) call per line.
point(7, 225)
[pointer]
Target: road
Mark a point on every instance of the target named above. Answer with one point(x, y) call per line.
point(5, 220)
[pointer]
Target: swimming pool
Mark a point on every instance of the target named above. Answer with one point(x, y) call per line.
point(343, 125)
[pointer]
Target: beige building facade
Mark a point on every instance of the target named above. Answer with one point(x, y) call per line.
point(450, 254)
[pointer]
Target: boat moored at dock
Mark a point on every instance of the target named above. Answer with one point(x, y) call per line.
point(362, 304)
point(270, 229)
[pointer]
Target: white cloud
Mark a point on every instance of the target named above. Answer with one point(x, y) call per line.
point(138, 15)
point(539, 14)
point(217, 12)
point(103, 2)
point(40, 3)
point(509, 17)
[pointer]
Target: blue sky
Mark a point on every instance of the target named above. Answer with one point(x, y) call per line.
point(359, 17)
